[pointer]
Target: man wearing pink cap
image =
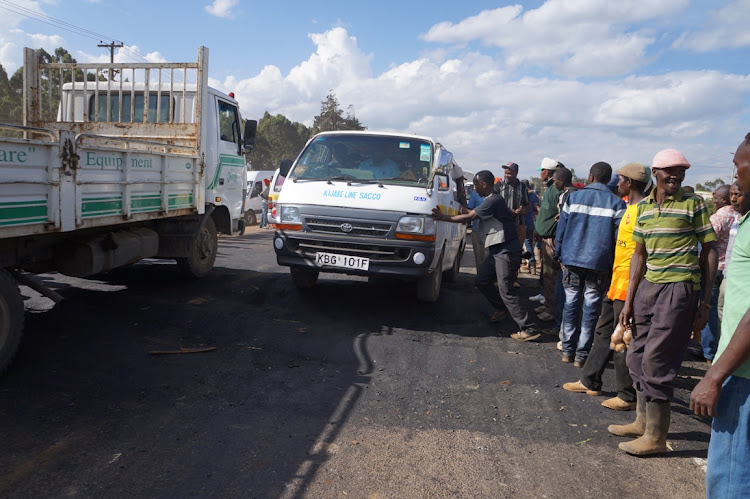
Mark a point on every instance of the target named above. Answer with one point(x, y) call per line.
point(663, 297)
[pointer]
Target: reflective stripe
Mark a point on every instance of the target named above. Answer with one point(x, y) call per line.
point(592, 210)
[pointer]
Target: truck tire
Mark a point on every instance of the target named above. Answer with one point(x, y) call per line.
point(250, 218)
point(428, 288)
point(303, 279)
point(11, 319)
point(451, 274)
point(203, 255)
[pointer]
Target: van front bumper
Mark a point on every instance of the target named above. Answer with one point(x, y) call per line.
point(387, 257)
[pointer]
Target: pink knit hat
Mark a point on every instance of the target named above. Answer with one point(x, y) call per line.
point(669, 157)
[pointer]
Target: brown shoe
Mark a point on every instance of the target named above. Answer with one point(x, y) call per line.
point(498, 315)
point(617, 404)
point(567, 358)
point(579, 387)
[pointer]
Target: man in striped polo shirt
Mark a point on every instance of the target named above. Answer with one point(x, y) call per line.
point(662, 306)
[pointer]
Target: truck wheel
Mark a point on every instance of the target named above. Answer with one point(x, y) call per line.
point(452, 274)
point(11, 319)
point(202, 258)
point(304, 279)
point(250, 218)
point(428, 288)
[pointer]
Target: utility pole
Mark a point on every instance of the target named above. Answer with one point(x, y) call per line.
point(111, 46)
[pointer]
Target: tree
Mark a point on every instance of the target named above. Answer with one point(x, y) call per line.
point(332, 117)
point(709, 186)
point(277, 138)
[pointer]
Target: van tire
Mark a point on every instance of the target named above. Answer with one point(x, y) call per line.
point(428, 288)
point(250, 218)
point(11, 319)
point(203, 253)
point(303, 279)
point(451, 274)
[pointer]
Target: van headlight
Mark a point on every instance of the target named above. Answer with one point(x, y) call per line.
point(290, 215)
point(416, 225)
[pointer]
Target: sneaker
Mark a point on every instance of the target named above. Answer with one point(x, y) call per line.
point(579, 387)
point(559, 345)
point(539, 298)
point(617, 404)
point(546, 317)
point(567, 358)
point(579, 362)
point(525, 336)
point(540, 309)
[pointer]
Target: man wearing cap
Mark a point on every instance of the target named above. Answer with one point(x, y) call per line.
point(546, 226)
point(663, 297)
point(633, 181)
point(724, 391)
point(585, 245)
point(516, 196)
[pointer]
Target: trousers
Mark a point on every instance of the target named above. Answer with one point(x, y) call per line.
point(662, 324)
point(503, 262)
point(600, 354)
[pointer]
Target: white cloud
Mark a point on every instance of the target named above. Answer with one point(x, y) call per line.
point(573, 38)
point(222, 8)
point(724, 28)
point(489, 115)
point(13, 39)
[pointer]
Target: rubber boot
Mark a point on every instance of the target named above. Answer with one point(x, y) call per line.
point(654, 441)
point(637, 427)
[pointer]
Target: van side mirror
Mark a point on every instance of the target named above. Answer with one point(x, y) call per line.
point(251, 127)
point(284, 167)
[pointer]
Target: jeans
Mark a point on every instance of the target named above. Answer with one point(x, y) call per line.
point(264, 214)
point(710, 333)
point(503, 262)
point(589, 286)
point(728, 473)
point(528, 244)
point(559, 300)
point(600, 354)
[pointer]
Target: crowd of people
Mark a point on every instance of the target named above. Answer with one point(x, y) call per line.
point(633, 265)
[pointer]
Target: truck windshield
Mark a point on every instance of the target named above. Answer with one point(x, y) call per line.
point(385, 159)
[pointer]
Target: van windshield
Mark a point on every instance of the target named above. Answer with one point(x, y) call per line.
point(385, 159)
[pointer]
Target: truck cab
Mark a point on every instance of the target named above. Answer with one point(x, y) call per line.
point(360, 203)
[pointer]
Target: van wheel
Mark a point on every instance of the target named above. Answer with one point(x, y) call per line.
point(452, 274)
point(428, 288)
point(303, 279)
point(250, 218)
point(11, 319)
point(203, 253)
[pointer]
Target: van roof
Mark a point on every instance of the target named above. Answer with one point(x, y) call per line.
point(382, 134)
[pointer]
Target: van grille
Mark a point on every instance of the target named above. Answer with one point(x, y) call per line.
point(338, 226)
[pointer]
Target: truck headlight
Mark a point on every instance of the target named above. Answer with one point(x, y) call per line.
point(415, 227)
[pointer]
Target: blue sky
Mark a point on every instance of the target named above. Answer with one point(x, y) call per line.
point(576, 80)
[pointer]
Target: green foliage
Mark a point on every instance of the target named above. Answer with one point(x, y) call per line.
point(277, 138)
point(332, 117)
point(709, 186)
point(11, 97)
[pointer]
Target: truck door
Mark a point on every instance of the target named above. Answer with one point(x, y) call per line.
point(229, 178)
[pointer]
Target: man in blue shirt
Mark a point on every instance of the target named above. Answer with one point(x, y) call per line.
point(585, 246)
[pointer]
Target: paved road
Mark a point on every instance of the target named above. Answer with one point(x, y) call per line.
point(354, 390)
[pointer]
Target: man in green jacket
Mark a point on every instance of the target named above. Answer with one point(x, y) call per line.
point(546, 226)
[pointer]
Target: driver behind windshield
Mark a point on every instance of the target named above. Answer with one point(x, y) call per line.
point(380, 166)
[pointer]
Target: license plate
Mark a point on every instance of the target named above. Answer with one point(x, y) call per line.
point(343, 261)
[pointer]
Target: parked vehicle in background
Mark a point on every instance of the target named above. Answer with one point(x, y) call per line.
point(115, 163)
point(253, 202)
point(360, 203)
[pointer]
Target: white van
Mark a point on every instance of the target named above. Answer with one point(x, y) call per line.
point(253, 202)
point(360, 203)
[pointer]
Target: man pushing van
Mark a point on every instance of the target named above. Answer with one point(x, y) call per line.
point(498, 234)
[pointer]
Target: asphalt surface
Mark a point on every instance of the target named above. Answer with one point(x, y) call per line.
point(352, 390)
